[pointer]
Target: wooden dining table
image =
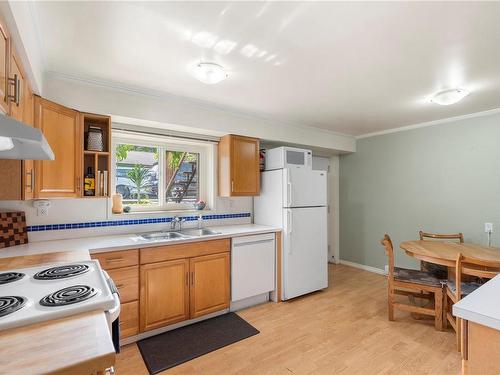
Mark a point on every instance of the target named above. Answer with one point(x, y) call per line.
point(445, 252)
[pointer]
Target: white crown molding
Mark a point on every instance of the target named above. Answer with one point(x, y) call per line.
point(151, 93)
point(430, 123)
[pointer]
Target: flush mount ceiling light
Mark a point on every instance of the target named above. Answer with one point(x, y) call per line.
point(209, 73)
point(448, 97)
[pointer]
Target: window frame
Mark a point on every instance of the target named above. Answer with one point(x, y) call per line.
point(206, 167)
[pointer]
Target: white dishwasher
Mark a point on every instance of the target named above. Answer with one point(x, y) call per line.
point(252, 266)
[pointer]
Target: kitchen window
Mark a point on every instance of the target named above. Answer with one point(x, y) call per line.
point(158, 173)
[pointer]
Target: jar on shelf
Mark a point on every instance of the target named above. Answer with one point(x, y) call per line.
point(94, 139)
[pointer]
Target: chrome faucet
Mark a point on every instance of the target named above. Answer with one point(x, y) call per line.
point(200, 221)
point(175, 220)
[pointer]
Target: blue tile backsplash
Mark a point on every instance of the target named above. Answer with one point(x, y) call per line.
point(114, 223)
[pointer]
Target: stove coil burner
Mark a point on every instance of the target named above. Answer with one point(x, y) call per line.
point(68, 296)
point(62, 272)
point(10, 304)
point(9, 277)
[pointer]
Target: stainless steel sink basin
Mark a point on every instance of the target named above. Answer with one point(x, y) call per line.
point(163, 236)
point(199, 232)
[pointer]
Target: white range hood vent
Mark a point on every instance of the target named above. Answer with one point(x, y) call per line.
point(22, 142)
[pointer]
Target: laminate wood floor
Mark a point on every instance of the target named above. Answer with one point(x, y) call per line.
point(342, 330)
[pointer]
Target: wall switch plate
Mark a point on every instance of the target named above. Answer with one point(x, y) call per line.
point(488, 227)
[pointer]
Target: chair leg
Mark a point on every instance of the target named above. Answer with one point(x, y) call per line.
point(459, 332)
point(445, 310)
point(438, 310)
point(390, 304)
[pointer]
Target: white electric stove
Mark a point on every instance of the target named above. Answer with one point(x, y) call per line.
point(37, 294)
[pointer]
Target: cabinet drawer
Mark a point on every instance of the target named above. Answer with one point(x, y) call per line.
point(182, 251)
point(129, 319)
point(127, 282)
point(117, 259)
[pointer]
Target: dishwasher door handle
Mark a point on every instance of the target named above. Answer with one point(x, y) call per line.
point(253, 242)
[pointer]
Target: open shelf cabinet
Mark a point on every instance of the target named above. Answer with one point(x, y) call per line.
point(98, 161)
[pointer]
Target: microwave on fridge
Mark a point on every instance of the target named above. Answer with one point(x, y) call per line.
point(288, 157)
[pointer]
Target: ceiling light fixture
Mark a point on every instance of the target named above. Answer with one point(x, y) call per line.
point(448, 97)
point(209, 73)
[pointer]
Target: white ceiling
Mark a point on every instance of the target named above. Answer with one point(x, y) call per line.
point(348, 67)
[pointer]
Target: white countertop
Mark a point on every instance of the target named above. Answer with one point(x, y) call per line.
point(481, 306)
point(126, 241)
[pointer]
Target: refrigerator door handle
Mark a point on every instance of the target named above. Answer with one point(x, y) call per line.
point(289, 229)
point(289, 190)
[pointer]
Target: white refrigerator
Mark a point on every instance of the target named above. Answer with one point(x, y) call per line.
point(295, 199)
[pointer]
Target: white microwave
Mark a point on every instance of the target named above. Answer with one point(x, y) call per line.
point(288, 157)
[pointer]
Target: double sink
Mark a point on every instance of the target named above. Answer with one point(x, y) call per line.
point(178, 235)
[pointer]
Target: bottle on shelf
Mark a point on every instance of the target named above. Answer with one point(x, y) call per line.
point(89, 188)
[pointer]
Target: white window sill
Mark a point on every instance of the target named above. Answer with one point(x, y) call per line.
point(164, 212)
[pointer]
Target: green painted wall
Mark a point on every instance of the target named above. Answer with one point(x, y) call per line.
point(442, 178)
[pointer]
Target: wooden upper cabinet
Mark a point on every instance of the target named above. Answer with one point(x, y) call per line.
point(17, 88)
point(62, 129)
point(209, 284)
point(164, 295)
point(4, 68)
point(239, 173)
point(18, 96)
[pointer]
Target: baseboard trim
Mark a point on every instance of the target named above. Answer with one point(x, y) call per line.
point(363, 267)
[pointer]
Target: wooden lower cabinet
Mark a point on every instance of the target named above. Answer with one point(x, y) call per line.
point(123, 268)
point(210, 284)
point(173, 289)
point(164, 293)
point(127, 282)
point(129, 319)
point(117, 259)
point(480, 348)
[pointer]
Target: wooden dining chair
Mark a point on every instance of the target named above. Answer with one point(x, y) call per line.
point(439, 271)
point(408, 282)
point(458, 288)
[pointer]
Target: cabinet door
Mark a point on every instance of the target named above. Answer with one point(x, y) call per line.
point(209, 291)
point(15, 169)
point(17, 89)
point(239, 173)
point(245, 166)
point(61, 127)
point(129, 319)
point(21, 107)
point(164, 294)
point(4, 68)
point(28, 182)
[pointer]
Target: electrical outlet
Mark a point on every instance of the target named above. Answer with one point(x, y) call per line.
point(488, 227)
point(42, 211)
point(386, 269)
point(42, 207)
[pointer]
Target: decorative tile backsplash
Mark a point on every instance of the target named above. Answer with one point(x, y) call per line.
point(114, 223)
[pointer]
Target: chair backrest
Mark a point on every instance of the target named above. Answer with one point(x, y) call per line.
point(473, 267)
point(485, 269)
point(437, 236)
point(389, 251)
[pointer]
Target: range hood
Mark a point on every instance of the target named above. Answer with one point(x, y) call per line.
point(22, 142)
